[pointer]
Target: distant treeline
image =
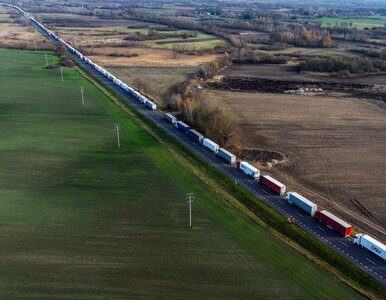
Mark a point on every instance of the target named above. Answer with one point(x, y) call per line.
point(304, 38)
point(245, 55)
point(343, 65)
point(375, 53)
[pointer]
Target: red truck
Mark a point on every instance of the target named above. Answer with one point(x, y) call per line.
point(275, 185)
point(334, 222)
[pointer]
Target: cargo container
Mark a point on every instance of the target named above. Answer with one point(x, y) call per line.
point(275, 185)
point(301, 202)
point(170, 118)
point(151, 105)
point(371, 244)
point(195, 135)
point(248, 169)
point(334, 222)
point(182, 126)
point(210, 145)
point(229, 157)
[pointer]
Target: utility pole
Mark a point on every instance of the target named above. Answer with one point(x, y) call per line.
point(35, 45)
point(82, 93)
point(189, 200)
point(45, 54)
point(117, 128)
point(61, 73)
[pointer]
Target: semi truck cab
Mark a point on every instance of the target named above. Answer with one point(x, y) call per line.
point(357, 239)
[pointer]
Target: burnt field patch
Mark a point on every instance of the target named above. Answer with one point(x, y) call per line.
point(260, 156)
point(281, 86)
point(253, 84)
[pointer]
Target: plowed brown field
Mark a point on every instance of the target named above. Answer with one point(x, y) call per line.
point(335, 148)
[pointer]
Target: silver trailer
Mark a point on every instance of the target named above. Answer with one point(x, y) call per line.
point(170, 118)
point(229, 157)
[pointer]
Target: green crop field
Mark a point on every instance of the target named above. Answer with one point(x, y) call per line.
point(82, 219)
point(201, 41)
point(360, 23)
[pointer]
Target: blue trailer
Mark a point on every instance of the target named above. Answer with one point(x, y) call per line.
point(195, 135)
point(182, 126)
point(229, 157)
point(301, 202)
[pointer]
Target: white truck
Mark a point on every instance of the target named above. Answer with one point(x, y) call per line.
point(210, 145)
point(248, 169)
point(371, 244)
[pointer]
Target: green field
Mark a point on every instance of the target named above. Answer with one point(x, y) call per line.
point(360, 23)
point(4, 16)
point(82, 219)
point(201, 41)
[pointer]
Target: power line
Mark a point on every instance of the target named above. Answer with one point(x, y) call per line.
point(82, 93)
point(190, 199)
point(61, 73)
point(117, 129)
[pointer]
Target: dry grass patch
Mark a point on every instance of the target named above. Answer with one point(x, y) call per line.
point(147, 56)
point(21, 37)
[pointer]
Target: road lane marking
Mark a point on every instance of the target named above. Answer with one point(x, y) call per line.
point(321, 228)
point(371, 261)
point(344, 244)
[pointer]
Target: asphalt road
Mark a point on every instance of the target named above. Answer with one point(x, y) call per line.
point(364, 259)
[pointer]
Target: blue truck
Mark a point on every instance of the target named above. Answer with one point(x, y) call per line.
point(182, 126)
point(195, 135)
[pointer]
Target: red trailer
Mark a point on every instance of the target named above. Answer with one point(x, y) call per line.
point(334, 222)
point(275, 185)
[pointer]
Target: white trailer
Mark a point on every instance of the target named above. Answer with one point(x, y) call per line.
point(170, 118)
point(371, 244)
point(210, 145)
point(249, 169)
point(151, 105)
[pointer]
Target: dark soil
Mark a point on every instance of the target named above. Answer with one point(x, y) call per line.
point(278, 86)
point(258, 155)
point(254, 84)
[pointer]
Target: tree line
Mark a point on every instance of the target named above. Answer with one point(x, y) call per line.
point(343, 65)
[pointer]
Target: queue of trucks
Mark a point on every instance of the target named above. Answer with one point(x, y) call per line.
point(323, 216)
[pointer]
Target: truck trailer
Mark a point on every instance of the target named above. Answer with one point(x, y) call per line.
point(182, 126)
point(273, 184)
point(210, 145)
point(371, 244)
point(301, 202)
point(151, 105)
point(248, 169)
point(334, 222)
point(229, 157)
point(170, 118)
point(195, 135)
